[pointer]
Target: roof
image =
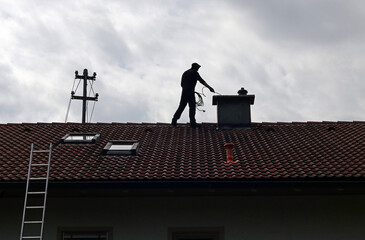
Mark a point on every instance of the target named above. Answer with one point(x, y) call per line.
point(266, 151)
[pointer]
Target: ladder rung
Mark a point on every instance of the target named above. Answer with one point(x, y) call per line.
point(31, 237)
point(41, 178)
point(40, 164)
point(34, 207)
point(36, 193)
point(32, 222)
point(40, 151)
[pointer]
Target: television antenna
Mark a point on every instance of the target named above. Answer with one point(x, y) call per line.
point(85, 96)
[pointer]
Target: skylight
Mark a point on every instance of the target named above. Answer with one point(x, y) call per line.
point(121, 147)
point(80, 138)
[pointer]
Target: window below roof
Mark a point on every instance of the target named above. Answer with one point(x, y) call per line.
point(80, 138)
point(85, 233)
point(119, 147)
point(195, 233)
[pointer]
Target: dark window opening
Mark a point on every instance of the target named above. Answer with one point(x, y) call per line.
point(196, 234)
point(84, 234)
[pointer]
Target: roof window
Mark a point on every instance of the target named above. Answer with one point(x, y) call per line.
point(80, 138)
point(121, 147)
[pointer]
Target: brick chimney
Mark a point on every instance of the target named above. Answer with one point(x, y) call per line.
point(234, 111)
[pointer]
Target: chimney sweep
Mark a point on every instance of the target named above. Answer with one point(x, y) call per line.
point(188, 83)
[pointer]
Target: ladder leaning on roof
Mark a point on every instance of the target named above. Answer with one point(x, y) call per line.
point(34, 211)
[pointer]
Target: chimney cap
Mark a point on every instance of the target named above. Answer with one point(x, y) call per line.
point(242, 91)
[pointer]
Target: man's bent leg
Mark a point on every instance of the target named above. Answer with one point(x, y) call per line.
point(180, 109)
point(192, 109)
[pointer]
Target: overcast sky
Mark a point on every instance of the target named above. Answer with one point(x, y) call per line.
point(303, 59)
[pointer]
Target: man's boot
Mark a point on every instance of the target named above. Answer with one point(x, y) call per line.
point(195, 125)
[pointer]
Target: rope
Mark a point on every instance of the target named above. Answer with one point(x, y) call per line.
point(77, 85)
point(73, 85)
point(203, 91)
point(69, 103)
point(86, 113)
point(92, 111)
point(200, 102)
point(91, 87)
point(68, 110)
point(87, 103)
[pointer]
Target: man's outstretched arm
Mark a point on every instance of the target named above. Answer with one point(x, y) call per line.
point(207, 85)
point(202, 81)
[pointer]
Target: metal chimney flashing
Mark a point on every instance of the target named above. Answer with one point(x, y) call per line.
point(233, 111)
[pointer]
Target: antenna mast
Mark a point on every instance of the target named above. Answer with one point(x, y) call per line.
point(84, 97)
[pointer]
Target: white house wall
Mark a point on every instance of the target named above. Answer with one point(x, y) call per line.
point(251, 217)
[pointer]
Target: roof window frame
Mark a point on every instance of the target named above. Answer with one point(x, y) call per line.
point(92, 140)
point(132, 151)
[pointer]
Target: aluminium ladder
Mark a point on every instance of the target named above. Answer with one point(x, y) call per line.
point(35, 200)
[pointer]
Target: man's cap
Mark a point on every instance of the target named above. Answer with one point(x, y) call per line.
point(195, 65)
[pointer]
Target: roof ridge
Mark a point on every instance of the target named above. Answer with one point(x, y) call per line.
point(308, 122)
point(164, 123)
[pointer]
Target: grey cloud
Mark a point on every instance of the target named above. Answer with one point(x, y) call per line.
point(316, 22)
point(302, 59)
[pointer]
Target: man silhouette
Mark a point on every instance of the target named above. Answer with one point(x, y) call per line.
point(188, 83)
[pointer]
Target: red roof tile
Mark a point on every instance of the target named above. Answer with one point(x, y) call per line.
point(330, 150)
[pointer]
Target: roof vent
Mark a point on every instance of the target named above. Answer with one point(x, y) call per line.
point(270, 129)
point(234, 111)
point(229, 152)
point(27, 129)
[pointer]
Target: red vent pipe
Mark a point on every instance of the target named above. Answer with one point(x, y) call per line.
point(229, 152)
